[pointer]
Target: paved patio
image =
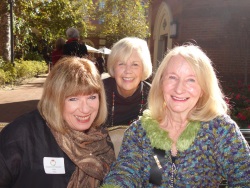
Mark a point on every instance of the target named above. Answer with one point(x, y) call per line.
point(17, 100)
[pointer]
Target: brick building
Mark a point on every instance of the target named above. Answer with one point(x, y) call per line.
point(220, 27)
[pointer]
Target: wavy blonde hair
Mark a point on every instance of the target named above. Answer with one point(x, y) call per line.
point(210, 104)
point(70, 76)
point(123, 49)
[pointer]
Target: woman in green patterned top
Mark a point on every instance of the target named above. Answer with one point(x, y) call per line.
point(185, 138)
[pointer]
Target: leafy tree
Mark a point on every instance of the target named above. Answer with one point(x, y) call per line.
point(4, 31)
point(119, 18)
point(39, 22)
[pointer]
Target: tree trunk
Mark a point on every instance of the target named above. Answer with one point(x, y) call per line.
point(5, 50)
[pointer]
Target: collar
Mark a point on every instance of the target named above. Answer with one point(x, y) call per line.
point(159, 138)
point(71, 40)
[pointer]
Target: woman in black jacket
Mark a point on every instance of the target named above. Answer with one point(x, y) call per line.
point(61, 144)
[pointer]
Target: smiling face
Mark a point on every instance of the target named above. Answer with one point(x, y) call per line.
point(181, 89)
point(128, 74)
point(80, 111)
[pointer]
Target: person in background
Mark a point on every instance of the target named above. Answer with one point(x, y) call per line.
point(57, 53)
point(185, 138)
point(129, 65)
point(100, 63)
point(61, 144)
point(73, 47)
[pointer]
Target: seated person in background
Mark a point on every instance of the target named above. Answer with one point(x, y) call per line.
point(57, 53)
point(129, 65)
point(73, 47)
point(186, 137)
point(62, 143)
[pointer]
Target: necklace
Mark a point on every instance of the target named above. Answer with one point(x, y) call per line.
point(139, 113)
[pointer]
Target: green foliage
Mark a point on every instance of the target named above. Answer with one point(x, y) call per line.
point(10, 72)
point(33, 56)
point(25, 69)
point(1, 60)
point(123, 18)
point(239, 101)
point(41, 67)
point(38, 23)
point(110, 186)
point(2, 77)
point(22, 70)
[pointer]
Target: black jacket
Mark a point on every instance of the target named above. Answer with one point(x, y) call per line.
point(23, 145)
point(74, 48)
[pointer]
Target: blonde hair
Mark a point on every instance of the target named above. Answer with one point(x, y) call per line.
point(210, 104)
point(123, 49)
point(70, 76)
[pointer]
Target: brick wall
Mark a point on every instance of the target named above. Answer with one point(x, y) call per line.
point(220, 27)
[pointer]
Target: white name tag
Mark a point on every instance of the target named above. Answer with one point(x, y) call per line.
point(54, 165)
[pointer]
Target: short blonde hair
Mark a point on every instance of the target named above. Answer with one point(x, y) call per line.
point(123, 49)
point(210, 104)
point(70, 76)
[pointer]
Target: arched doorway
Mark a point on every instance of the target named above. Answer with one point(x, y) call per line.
point(161, 34)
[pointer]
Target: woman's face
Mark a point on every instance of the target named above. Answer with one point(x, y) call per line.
point(80, 111)
point(128, 74)
point(180, 86)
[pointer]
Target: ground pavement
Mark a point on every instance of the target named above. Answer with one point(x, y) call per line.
point(17, 100)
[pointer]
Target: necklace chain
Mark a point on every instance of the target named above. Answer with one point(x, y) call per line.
point(113, 107)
